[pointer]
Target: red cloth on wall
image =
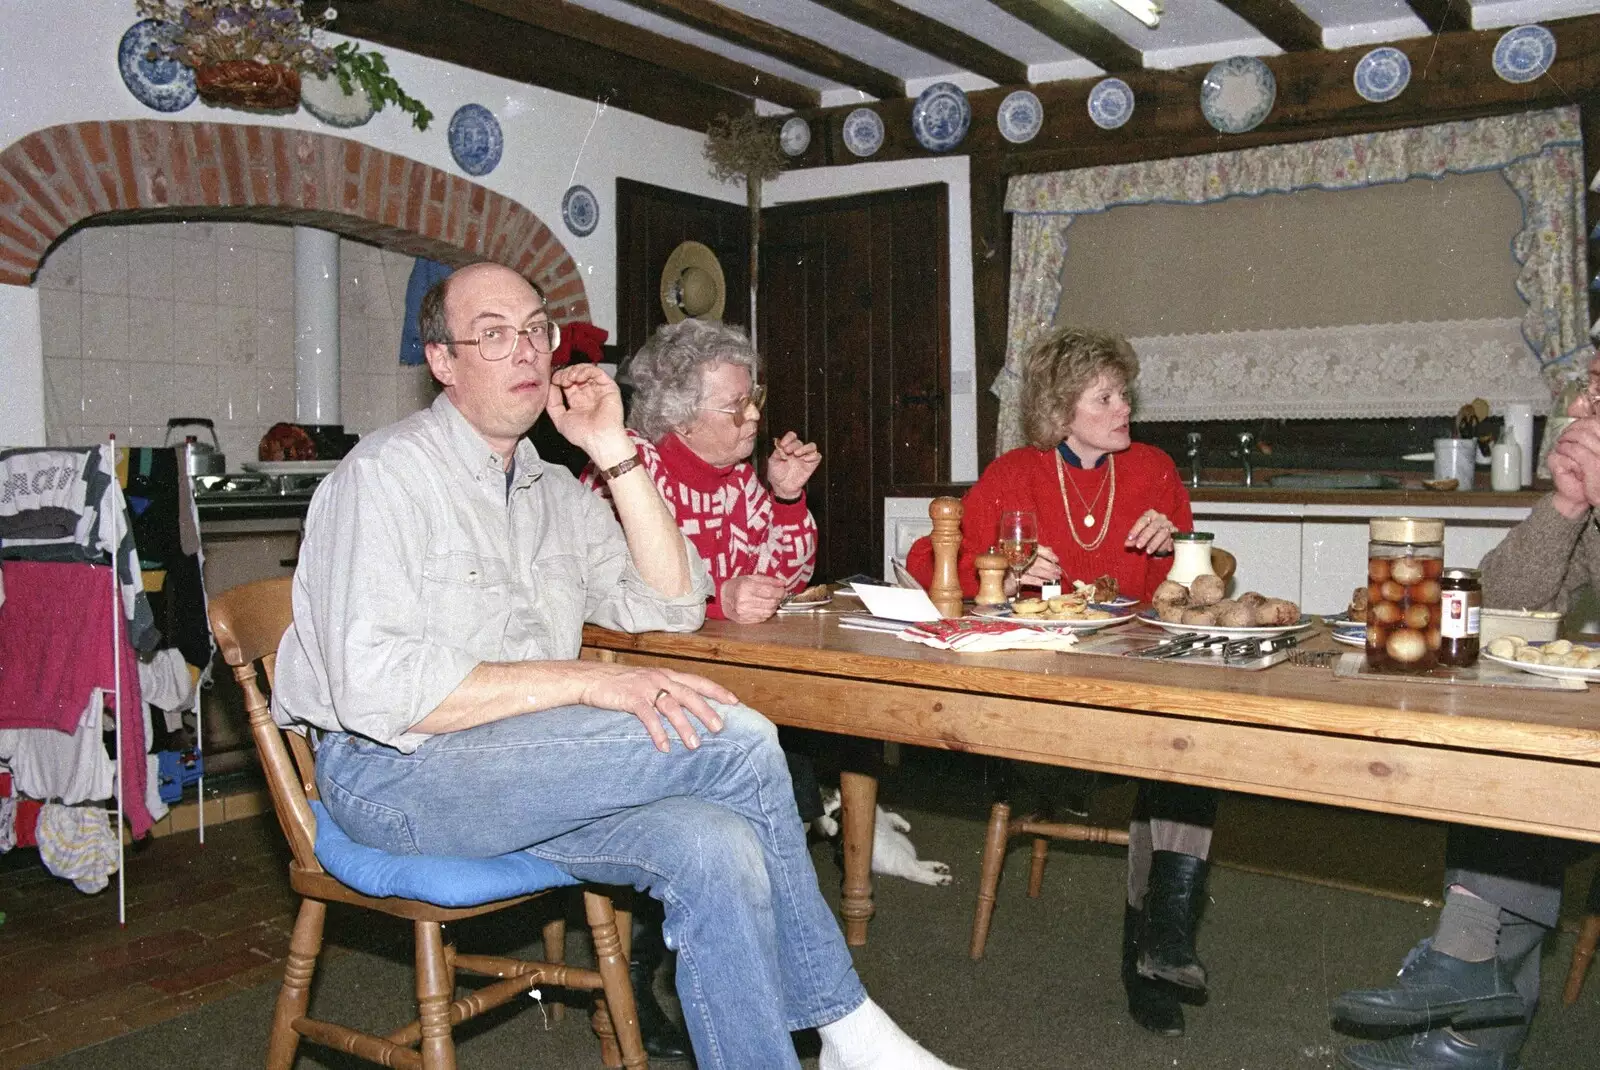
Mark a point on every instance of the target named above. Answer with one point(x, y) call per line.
point(581, 339)
point(735, 523)
point(55, 649)
point(1025, 478)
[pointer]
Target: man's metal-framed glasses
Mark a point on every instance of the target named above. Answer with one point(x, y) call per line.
point(740, 409)
point(498, 343)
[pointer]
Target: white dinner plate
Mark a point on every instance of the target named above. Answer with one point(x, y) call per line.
point(1004, 613)
point(1350, 638)
point(1149, 617)
point(290, 468)
point(1555, 672)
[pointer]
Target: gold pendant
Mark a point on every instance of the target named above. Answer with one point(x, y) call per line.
point(1088, 520)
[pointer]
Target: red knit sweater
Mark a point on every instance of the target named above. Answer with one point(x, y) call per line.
point(735, 523)
point(1025, 478)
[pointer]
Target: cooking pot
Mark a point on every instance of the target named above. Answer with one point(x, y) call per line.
point(200, 458)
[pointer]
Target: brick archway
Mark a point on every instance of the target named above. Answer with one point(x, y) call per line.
point(146, 169)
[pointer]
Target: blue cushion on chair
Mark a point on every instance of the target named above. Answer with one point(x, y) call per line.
point(436, 879)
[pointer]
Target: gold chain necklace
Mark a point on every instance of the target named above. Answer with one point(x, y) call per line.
point(1088, 518)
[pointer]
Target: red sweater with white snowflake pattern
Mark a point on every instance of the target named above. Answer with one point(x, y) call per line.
point(735, 523)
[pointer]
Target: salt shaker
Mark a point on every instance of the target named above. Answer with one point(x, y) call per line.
point(1505, 464)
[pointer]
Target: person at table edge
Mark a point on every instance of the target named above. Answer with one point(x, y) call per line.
point(1105, 505)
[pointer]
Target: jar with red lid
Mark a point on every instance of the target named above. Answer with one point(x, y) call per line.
point(1405, 560)
point(1460, 610)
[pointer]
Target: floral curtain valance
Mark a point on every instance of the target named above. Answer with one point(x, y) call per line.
point(1539, 154)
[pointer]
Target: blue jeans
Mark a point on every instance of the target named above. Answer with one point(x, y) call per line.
point(711, 832)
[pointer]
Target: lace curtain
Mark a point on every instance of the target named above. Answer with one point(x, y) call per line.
point(1539, 154)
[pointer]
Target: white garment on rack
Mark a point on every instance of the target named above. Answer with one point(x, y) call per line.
point(8, 824)
point(71, 768)
point(152, 789)
point(164, 683)
point(76, 843)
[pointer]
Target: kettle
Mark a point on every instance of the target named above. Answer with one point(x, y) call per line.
point(200, 459)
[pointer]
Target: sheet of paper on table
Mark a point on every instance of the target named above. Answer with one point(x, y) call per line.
point(896, 603)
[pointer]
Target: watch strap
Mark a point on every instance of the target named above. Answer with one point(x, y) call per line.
point(796, 500)
point(620, 468)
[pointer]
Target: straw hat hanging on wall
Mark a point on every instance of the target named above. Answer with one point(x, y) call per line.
point(692, 285)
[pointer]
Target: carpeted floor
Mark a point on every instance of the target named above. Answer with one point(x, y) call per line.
point(1046, 995)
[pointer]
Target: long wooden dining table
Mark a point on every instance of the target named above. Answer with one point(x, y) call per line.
point(1508, 758)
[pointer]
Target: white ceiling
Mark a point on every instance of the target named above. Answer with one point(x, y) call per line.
point(1191, 32)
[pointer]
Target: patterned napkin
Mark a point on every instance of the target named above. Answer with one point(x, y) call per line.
point(968, 635)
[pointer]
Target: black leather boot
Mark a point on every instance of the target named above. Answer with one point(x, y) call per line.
point(1152, 1004)
point(1171, 911)
point(663, 1037)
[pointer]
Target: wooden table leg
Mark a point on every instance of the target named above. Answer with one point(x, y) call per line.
point(858, 794)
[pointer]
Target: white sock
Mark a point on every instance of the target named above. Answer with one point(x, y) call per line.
point(868, 1039)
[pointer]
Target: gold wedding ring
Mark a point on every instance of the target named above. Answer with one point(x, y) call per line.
point(657, 699)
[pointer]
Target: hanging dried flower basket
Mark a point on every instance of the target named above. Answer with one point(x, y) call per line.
point(243, 83)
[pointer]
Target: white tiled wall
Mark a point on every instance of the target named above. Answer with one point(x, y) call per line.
point(142, 323)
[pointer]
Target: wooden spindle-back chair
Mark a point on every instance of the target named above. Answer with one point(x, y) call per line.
point(248, 622)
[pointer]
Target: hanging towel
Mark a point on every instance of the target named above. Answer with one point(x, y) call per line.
point(76, 843)
point(424, 273)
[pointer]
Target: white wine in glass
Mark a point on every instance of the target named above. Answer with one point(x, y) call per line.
point(1018, 541)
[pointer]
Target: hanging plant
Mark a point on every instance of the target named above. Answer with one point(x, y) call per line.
point(746, 146)
point(369, 72)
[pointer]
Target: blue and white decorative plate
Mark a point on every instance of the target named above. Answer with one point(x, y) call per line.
point(795, 136)
point(1382, 74)
point(1523, 53)
point(162, 84)
point(1237, 94)
point(1020, 117)
point(863, 132)
point(941, 117)
point(475, 139)
point(580, 211)
point(1110, 103)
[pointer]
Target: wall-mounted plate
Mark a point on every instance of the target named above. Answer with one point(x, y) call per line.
point(1523, 53)
point(941, 117)
point(1110, 103)
point(475, 139)
point(580, 211)
point(1237, 94)
point(1020, 116)
point(162, 84)
point(795, 136)
point(1382, 74)
point(863, 132)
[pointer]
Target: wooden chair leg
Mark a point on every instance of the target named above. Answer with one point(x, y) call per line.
point(555, 951)
point(304, 946)
point(437, 1049)
point(616, 1016)
point(1041, 853)
point(1582, 954)
point(994, 856)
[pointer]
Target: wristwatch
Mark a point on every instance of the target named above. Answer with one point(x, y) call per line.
point(620, 468)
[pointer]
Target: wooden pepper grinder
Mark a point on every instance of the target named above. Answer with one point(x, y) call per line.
point(945, 592)
point(991, 578)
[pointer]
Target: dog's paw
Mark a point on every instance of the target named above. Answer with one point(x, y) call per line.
point(934, 873)
point(896, 822)
point(826, 825)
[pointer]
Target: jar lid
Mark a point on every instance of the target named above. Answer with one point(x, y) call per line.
point(1192, 536)
point(1406, 529)
point(1461, 574)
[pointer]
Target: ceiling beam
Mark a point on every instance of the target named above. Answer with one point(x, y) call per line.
point(778, 43)
point(455, 32)
point(570, 20)
point(1442, 15)
point(933, 37)
point(1077, 31)
point(1280, 22)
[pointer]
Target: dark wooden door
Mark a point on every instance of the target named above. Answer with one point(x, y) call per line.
point(651, 222)
point(854, 326)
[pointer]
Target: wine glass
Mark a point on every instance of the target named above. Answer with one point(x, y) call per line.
point(1018, 541)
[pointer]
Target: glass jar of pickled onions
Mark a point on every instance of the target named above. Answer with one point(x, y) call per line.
point(1405, 558)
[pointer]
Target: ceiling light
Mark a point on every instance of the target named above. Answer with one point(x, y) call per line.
point(1146, 11)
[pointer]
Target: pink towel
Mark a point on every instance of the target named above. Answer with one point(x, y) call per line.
point(55, 649)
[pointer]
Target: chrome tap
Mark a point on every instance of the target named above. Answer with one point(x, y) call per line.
point(1193, 454)
point(1246, 439)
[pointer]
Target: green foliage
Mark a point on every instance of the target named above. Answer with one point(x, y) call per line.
point(370, 71)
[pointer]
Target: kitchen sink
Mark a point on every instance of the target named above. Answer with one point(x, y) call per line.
point(1334, 481)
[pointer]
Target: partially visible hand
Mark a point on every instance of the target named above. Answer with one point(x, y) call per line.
point(585, 406)
point(791, 464)
point(653, 694)
point(1574, 463)
point(751, 599)
point(1046, 568)
point(1151, 533)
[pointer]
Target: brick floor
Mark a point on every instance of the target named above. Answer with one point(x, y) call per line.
point(204, 922)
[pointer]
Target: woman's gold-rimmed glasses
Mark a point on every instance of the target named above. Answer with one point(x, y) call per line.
point(740, 409)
